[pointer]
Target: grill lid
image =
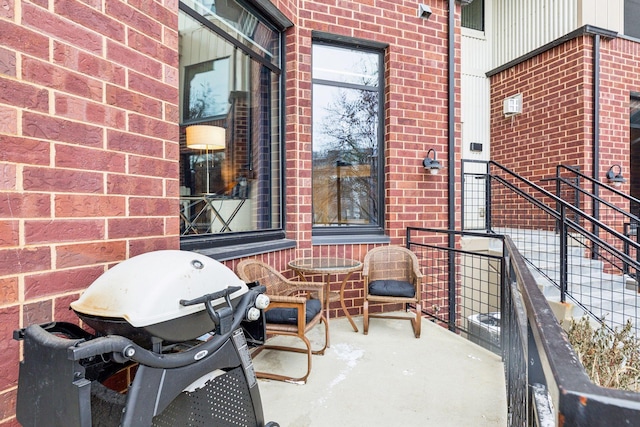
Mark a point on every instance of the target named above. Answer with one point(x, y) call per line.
point(147, 289)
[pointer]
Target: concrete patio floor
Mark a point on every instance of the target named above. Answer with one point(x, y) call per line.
point(387, 378)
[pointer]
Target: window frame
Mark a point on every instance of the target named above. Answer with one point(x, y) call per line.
point(232, 245)
point(483, 17)
point(358, 233)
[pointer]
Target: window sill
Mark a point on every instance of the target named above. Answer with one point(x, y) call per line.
point(350, 239)
point(225, 253)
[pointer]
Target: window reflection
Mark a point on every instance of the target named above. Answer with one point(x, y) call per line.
point(232, 186)
point(345, 65)
point(346, 104)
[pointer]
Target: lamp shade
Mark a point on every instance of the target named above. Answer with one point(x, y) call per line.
point(205, 137)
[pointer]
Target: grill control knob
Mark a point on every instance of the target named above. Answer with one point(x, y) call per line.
point(253, 314)
point(262, 302)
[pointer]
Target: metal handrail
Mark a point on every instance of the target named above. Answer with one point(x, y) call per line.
point(596, 182)
point(576, 399)
point(575, 226)
point(565, 204)
point(546, 385)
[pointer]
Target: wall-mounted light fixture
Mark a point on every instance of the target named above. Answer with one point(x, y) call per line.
point(512, 105)
point(424, 11)
point(615, 179)
point(431, 163)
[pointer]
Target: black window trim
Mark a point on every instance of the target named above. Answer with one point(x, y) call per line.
point(236, 245)
point(357, 233)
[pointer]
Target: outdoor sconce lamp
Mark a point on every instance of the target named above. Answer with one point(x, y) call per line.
point(615, 179)
point(431, 163)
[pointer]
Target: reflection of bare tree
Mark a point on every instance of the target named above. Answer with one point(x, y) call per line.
point(345, 170)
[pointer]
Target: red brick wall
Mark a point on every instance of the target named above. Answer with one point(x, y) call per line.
point(620, 62)
point(556, 125)
point(416, 107)
point(89, 135)
point(553, 127)
point(415, 118)
point(88, 158)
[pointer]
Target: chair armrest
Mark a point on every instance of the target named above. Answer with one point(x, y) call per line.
point(311, 287)
point(417, 274)
point(283, 301)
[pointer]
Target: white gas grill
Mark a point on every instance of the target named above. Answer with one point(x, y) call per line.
point(181, 317)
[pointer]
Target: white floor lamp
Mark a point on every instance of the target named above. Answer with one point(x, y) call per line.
point(206, 137)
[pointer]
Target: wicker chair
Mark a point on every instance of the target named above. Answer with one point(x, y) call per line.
point(290, 300)
point(391, 275)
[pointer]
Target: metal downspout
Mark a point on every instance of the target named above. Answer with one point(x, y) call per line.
point(451, 110)
point(596, 133)
point(451, 161)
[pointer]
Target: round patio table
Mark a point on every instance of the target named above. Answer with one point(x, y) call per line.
point(328, 266)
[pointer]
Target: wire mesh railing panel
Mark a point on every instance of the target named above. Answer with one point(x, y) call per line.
point(463, 282)
point(573, 257)
point(515, 354)
point(474, 204)
point(546, 385)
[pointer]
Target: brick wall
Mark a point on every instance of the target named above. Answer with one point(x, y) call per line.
point(89, 135)
point(553, 127)
point(556, 125)
point(415, 107)
point(88, 164)
point(415, 118)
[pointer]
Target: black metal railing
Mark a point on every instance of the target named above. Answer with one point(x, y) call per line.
point(574, 257)
point(462, 282)
point(605, 202)
point(545, 383)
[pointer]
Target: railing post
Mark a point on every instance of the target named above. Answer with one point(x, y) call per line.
point(452, 286)
point(563, 254)
point(487, 200)
point(558, 195)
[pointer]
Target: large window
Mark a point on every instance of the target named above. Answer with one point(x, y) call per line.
point(347, 139)
point(230, 116)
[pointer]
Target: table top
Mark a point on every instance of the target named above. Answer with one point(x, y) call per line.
point(325, 265)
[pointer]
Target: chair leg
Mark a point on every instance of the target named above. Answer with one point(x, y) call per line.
point(365, 316)
point(326, 337)
point(417, 322)
point(309, 351)
point(278, 377)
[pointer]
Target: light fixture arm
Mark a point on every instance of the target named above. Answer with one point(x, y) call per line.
point(615, 178)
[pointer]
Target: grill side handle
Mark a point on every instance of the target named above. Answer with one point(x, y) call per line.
point(223, 317)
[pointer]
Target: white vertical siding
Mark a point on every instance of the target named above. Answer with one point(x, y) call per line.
point(475, 62)
point(607, 14)
point(524, 25)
